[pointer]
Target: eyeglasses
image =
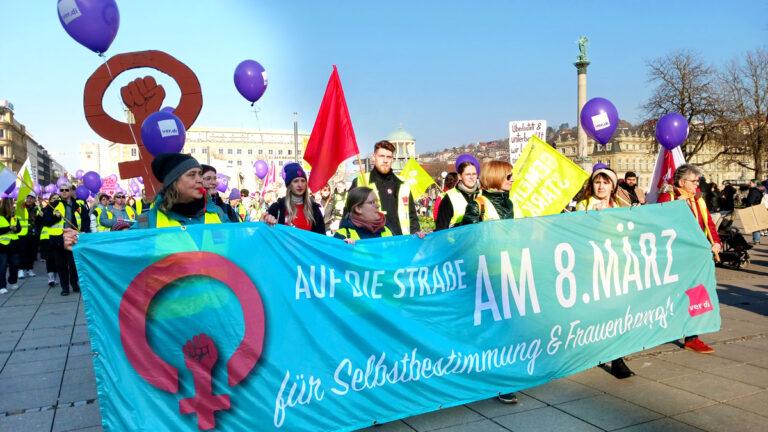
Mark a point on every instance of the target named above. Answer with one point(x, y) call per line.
point(119, 196)
point(373, 203)
point(693, 181)
point(63, 190)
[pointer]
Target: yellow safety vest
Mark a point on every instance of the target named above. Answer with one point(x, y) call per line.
point(403, 200)
point(57, 229)
point(164, 221)
point(24, 223)
point(14, 235)
point(45, 233)
point(459, 204)
point(5, 239)
point(241, 212)
point(487, 209)
point(99, 226)
point(352, 233)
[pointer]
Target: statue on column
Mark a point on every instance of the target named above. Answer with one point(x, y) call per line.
point(583, 41)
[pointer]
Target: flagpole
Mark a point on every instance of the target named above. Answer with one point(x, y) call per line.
point(362, 169)
point(32, 189)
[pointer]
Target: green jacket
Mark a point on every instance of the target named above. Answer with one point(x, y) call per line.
point(500, 201)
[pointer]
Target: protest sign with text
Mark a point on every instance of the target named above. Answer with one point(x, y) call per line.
point(247, 327)
point(519, 134)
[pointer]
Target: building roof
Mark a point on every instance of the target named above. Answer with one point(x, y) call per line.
point(400, 135)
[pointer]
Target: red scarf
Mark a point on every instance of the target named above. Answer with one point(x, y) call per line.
point(373, 227)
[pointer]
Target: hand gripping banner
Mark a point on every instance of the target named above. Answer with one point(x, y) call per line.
point(249, 327)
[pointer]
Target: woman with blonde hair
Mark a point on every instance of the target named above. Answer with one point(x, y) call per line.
point(296, 208)
point(494, 202)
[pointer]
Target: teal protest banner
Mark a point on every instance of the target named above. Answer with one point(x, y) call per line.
point(247, 327)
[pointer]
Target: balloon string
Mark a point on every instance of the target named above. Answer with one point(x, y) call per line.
point(125, 107)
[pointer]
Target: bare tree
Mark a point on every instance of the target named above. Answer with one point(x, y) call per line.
point(687, 85)
point(744, 84)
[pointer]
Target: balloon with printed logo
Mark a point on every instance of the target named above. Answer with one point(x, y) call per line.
point(92, 181)
point(92, 23)
point(260, 168)
point(79, 174)
point(82, 193)
point(466, 157)
point(599, 119)
point(671, 130)
point(251, 80)
point(163, 132)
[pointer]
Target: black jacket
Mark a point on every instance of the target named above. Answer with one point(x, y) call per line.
point(445, 212)
point(500, 201)
point(228, 210)
point(754, 197)
point(278, 210)
point(388, 186)
point(49, 219)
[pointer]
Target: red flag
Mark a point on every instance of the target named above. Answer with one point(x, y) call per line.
point(332, 140)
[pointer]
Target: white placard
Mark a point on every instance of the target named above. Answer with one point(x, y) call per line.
point(601, 121)
point(68, 11)
point(168, 128)
point(520, 132)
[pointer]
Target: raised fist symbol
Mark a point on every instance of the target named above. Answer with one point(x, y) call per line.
point(143, 96)
point(200, 352)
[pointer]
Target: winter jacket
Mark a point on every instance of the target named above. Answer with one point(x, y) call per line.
point(346, 229)
point(148, 219)
point(388, 186)
point(278, 211)
point(500, 201)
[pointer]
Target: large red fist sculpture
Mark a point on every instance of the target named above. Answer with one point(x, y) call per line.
point(142, 96)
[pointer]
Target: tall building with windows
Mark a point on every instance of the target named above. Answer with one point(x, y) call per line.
point(17, 144)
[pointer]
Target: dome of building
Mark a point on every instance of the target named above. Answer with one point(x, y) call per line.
point(400, 135)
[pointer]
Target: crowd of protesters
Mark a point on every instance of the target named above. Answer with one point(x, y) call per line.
point(378, 204)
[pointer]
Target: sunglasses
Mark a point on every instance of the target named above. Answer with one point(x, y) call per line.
point(119, 196)
point(63, 190)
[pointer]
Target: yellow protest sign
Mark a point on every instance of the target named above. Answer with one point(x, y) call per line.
point(544, 180)
point(416, 177)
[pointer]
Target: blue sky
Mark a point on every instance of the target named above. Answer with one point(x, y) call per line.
point(451, 72)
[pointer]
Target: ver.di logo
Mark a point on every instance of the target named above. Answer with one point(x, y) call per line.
point(200, 352)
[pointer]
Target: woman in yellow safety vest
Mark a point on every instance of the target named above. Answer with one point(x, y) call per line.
point(363, 219)
point(9, 252)
point(600, 193)
point(454, 202)
point(182, 200)
point(493, 203)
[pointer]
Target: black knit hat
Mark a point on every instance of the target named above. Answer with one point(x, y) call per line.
point(167, 167)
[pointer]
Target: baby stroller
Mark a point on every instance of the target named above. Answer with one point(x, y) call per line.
point(734, 253)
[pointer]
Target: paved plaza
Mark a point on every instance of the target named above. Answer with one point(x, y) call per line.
point(47, 382)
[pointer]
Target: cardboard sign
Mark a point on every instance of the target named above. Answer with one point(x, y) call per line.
point(751, 219)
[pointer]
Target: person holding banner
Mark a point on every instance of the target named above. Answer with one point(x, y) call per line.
point(601, 191)
point(364, 220)
point(493, 202)
point(601, 194)
point(9, 247)
point(686, 182)
point(454, 202)
point(296, 208)
point(182, 199)
point(209, 183)
point(394, 195)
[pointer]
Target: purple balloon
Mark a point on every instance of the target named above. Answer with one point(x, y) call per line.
point(92, 23)
point(38, 189)
point(140, 180)
point(82, 192)
point(671, 130)
point(466, 157)
point(79, 174)
point(168, 109)
point(163, 132)
point(251, 80)
point(50, 188)
point(14, 194)
point(599, 119)
point(92, 181)
point(62, 181)
point(221, 187)
point(261, 169)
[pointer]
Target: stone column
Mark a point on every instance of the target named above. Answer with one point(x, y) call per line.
point(581, 82)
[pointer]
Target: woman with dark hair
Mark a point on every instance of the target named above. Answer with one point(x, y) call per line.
point(493, 203)
point(600, 194)
point(296, 208)
point(182, 200)
point(9, 247)
point(363, 218)
point(454, 202)
point(209, 183)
